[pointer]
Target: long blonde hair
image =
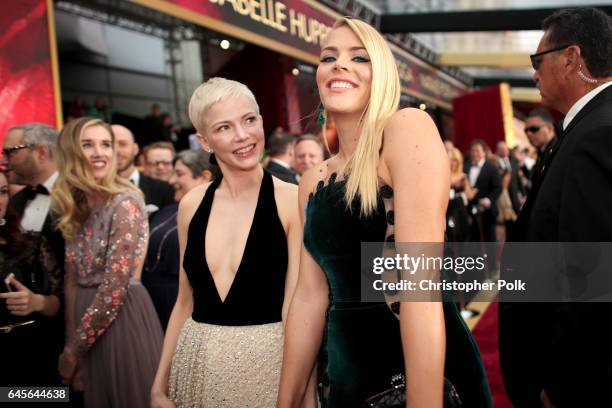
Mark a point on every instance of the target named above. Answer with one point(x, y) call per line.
point(76, 180)
point(455, 154)
point(361, 168)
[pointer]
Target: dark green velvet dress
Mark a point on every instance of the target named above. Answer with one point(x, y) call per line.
point(362, 339)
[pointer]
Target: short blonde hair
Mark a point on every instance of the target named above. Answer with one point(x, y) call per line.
point(211, 92)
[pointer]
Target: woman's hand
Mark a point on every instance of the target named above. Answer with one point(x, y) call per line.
point(23, 301)
point(159, 399)
point(67, 365)
point(77, 381)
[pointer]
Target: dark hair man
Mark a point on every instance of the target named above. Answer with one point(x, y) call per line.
point(560, 354)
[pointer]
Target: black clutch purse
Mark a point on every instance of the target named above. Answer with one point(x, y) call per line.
point(395, 397)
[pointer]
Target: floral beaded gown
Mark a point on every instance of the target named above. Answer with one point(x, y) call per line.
point(111, 322)
point(363, 348)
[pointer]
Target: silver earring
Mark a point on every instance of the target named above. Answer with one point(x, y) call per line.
point(2, 222)
point(584, 77)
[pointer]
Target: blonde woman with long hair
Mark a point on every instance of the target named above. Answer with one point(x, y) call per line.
point(387, 159)
point(113, 336)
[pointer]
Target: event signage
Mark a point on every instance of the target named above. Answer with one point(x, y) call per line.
point(292, 22)
point(297, 28)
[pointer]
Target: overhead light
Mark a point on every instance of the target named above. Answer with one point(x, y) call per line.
point(304, 68)
point(225, 44)
point(295, 72)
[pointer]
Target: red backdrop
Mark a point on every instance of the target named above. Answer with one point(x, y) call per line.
point(478, 115)
point(26, 80)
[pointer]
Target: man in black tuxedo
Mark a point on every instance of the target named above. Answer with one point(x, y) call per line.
point(29, 153)
point(555, 354)
point(157, 193)
point(281, 152)
point(484, 177)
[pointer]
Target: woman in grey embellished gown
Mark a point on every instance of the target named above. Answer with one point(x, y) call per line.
point(113, 335)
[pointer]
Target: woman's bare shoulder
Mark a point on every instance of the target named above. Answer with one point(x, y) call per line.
point(412, 145)
point(190, 202)
point(311, 178)
point(283, 188)
point(409, 124)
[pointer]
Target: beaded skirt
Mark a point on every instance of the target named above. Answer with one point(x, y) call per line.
point(226, 366)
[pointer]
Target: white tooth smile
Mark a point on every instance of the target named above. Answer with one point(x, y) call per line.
point(245, 149)
point(98, 165)
point(341, 84)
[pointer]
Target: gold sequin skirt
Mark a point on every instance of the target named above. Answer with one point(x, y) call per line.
point(227, 366)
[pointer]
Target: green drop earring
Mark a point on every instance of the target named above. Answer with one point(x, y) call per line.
point(321, 118)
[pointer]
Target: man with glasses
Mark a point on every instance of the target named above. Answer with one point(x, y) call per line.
point(158, 160)
point(28, 152)
point(560, 354)
point(540, 130)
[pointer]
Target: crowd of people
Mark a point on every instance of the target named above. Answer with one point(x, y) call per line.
point(208, 278)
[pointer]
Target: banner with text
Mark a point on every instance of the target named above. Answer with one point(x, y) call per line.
point(297, 28)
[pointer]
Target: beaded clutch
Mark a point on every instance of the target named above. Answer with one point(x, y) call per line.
point(395, 397)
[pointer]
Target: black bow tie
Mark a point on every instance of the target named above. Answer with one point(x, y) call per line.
point(32, 192)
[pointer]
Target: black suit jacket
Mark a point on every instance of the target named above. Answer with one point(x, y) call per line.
point(515, 188)
point(566, 348)
point(282, 173)
point(489, 185)
point(156, 192)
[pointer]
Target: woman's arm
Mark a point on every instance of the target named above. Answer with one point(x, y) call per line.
point(417, 164)
point(294, 242)
point(127, 245)
point(289, 209)
point(183, 308)
point(305, 320)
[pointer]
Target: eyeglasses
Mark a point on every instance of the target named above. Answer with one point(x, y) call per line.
point(8, 150)
point(532, 129)
point(536, 61)
point(157, 163)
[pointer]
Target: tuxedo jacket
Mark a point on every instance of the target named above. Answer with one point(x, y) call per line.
point(156, 192)
point(282, 173)
point(565, 349)
point(489, 185)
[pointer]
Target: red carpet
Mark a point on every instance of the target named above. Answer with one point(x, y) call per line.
point(486, 336)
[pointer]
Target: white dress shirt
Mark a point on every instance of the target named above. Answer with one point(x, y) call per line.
point(281, 163)
point(475, 172)
point(37, 209)
point(135, 177)
point(581, 103)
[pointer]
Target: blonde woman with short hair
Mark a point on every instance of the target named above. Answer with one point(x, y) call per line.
point(239, 240)
point(388, 182)
point(113, 336)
